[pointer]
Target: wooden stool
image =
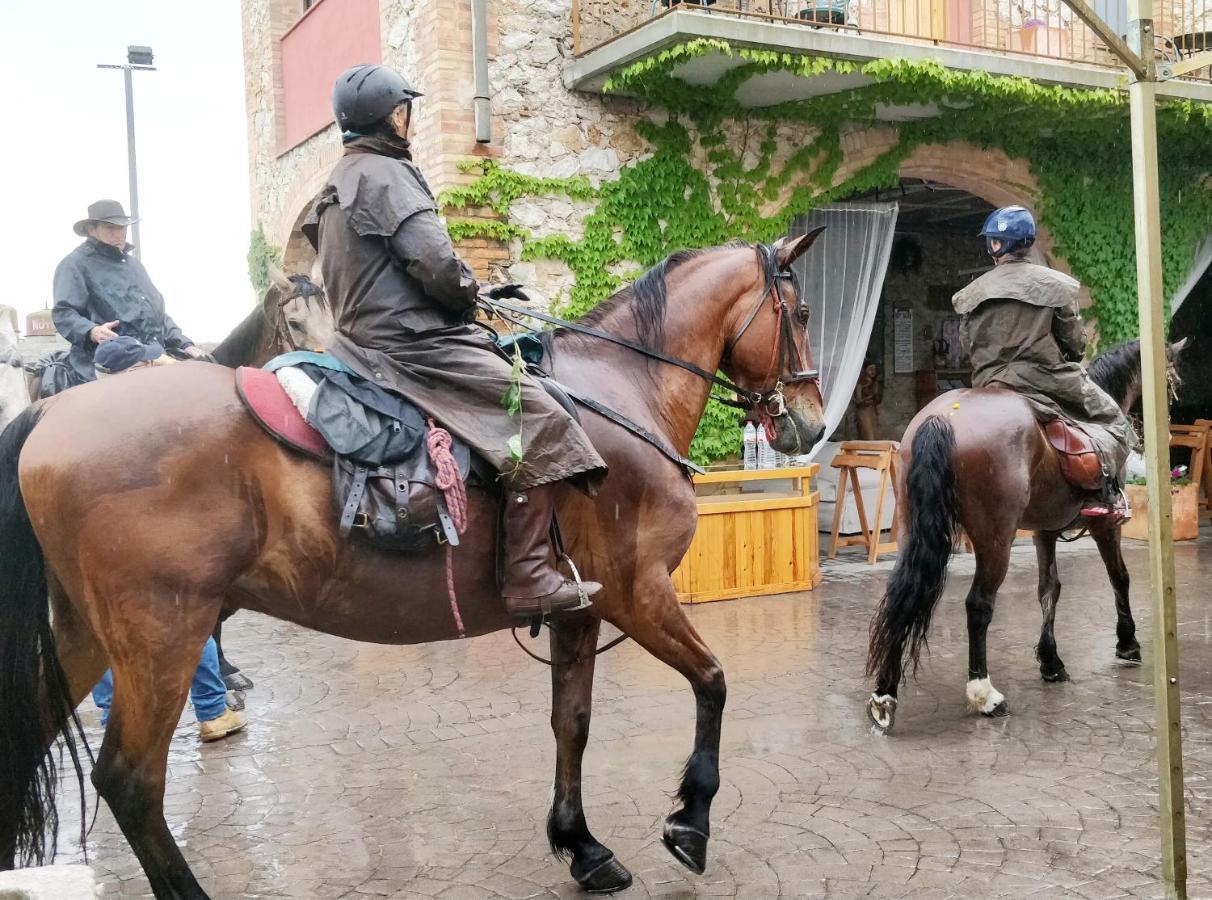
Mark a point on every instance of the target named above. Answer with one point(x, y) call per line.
point(855, 455)
point(1198, 438)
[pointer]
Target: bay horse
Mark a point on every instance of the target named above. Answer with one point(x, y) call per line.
point(977, 460)
point(151, 504)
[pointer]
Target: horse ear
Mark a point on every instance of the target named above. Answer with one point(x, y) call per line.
point(1177, 347)
point(278, 278)
point(788, 250)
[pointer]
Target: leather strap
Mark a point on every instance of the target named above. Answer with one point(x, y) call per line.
point(353, 500)
point(638, 430)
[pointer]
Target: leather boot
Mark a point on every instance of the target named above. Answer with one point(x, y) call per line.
point(532, 585)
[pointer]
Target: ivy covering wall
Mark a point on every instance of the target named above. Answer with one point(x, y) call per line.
point(719, 171)
point(261, 253)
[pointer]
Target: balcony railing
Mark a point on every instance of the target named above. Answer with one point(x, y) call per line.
point(1043, 29)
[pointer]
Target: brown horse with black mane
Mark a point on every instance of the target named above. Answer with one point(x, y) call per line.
point(150, 504)
point(978, 460)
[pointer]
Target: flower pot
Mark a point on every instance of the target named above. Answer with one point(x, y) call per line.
point(1185, 512)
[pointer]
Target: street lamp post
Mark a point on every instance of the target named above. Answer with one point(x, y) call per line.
point(137, 58)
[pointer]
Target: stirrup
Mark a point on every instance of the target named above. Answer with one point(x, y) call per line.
point(576, 577)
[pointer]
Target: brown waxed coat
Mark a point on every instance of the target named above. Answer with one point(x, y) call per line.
point(402, 299)
point(1024, 333)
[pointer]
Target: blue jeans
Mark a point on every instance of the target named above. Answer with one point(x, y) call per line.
point(207, 692)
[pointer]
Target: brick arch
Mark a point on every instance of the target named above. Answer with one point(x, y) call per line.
point(297, 254)
point(991, 175)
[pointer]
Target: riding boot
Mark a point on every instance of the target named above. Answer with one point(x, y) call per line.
point(532, 585)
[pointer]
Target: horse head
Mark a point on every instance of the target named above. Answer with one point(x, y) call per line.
point(298, 311)
point(769, 352)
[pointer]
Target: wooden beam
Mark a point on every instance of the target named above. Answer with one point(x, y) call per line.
point(1142, 94)
point(1114, 42)
point(1191, 64)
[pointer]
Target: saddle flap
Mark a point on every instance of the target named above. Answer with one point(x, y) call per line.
point(1068, 439)
point(1079, 462)
point(273, 410)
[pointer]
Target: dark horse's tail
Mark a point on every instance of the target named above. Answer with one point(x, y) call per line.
point(917, 581)
point(35, 702)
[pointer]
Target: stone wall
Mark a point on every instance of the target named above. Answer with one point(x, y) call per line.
point(539, 127)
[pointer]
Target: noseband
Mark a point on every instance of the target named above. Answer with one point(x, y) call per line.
point(770, 402)
point(784, 349)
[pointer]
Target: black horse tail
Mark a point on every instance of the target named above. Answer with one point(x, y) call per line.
point(35, 702)
point(917, 581)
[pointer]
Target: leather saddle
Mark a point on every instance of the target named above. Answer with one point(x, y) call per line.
point(1079, 462)
point(395, 506)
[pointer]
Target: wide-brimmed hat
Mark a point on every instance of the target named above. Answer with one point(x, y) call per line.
point(109, 211)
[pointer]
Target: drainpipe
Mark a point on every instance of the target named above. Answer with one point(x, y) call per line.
point(479, 54)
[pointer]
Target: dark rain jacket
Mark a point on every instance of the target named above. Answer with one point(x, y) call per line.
point(96, 284)
point(1024, 333)
point(403, 301)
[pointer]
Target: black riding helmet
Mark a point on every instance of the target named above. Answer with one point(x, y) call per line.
point(368, 94)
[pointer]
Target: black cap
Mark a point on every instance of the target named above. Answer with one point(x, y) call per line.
point(368, 94)
point(123, 352)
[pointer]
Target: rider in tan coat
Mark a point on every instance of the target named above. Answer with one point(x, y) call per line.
point(404, 302)
point(1022, 326)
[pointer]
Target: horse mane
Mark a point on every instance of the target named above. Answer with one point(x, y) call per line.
point(1117, 370)
point(645, 299)
point(244, 341)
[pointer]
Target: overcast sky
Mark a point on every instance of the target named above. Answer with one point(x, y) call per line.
point(64, 145)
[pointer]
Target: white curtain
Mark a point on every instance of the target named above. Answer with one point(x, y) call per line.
point(1203, 258)
point(842, 278)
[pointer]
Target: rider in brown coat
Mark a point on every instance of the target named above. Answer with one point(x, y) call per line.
point(404, 303)
point(1023, 329)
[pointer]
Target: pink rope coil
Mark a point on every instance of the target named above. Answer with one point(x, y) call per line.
point(449, 480)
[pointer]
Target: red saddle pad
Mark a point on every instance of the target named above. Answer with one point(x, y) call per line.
point(268, 403)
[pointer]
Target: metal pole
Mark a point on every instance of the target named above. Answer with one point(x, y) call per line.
point(130, 157)
point(1154, 365)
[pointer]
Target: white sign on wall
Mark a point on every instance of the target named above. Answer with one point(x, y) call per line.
point(902, 360)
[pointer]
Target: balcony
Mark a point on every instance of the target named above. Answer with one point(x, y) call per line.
point(1039, 39)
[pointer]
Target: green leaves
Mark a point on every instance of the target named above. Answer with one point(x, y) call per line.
point(718, 171)
point(515, 447)
point(260, 254)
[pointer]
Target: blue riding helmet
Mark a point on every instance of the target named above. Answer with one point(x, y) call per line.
point(1014, 226)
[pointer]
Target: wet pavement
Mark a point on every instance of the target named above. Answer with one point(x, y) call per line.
point(425, 771)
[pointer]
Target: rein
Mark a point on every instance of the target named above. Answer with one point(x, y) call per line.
point(770, 401)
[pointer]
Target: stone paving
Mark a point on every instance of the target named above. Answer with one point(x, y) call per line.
point(425, 771)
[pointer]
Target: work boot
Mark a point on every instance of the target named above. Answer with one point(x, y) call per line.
point(532, 585)
point(230, 722)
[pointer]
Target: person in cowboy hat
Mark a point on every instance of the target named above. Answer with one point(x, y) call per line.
point(102, 293)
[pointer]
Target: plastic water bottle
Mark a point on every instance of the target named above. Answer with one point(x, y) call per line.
point(765, 453)
point(750, 447)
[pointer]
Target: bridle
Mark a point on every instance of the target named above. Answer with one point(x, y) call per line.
point(303, 289)
point(769, 402)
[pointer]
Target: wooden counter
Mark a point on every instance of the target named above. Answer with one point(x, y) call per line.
point(754, 543)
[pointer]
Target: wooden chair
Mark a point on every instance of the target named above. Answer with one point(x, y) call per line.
point(855, 455)
point(1197, 438)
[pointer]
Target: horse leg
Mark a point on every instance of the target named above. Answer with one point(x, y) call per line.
point(992, 561)
point(658, 624)
point(573, 643)
point(233, 678)
point(153, 666)
point(1050, 665)
point(1107, 537)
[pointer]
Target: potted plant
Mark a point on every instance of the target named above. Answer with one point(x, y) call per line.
point(1184, 500)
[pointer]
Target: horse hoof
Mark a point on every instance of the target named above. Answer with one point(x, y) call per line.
point(688, 846)
point(237, 681)
point(1130, 657)
point(1002, 709)
point(607, 877)
point(881, 712)
point(1055, 677)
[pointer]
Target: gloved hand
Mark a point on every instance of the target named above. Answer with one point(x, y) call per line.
point(513, 291)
